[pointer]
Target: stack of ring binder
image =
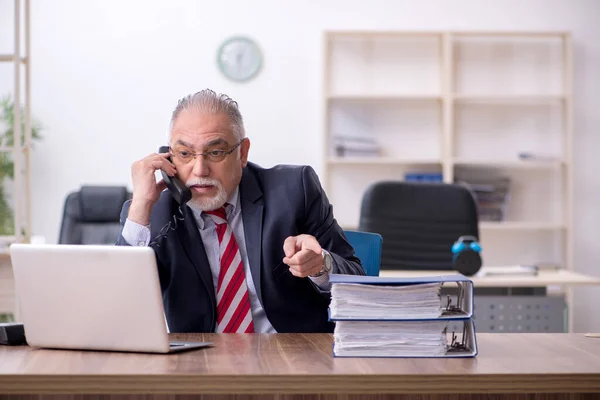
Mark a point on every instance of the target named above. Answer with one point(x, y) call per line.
point(401, 317)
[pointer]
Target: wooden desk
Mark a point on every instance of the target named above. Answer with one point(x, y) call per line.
point(555, 365)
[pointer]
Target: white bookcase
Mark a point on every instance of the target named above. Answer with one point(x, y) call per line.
point(19, 189)
point(463, 105)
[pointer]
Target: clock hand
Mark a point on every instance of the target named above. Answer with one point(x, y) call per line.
point(239, 63)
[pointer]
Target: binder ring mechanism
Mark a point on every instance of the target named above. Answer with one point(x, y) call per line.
point(456, 345)
point(453, 309)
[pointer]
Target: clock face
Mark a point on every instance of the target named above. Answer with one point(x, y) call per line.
point(239, 58)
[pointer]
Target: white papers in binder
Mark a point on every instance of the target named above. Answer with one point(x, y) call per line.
point(355, 297)
point(403, 339)
point(390, 339)
point(357, 301)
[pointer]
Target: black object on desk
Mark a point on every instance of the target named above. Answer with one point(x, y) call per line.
point(12, 334)
point(466, 257)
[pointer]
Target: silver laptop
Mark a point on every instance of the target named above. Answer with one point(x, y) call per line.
point(91, 297)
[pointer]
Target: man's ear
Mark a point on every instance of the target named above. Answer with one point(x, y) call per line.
point(245, 148)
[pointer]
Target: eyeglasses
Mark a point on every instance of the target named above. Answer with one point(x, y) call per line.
point(185, 155)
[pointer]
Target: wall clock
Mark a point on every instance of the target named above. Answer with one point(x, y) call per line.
point(239, 58)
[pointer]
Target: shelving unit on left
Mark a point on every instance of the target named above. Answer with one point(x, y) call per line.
point(17, 191)
point(19, 151)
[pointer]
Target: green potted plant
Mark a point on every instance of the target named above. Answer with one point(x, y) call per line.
point(7, 117)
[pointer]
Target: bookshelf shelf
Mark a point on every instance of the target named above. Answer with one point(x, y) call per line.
point(512, 34)
point(12, 58)
point(6, 149)
point(382, 161)
point(362, 34)
point(510, 164)
point(384, 97)
point(507, 99)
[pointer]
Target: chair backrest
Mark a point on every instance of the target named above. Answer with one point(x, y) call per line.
point(419, 222)
point(91, 215)
point(367, 247)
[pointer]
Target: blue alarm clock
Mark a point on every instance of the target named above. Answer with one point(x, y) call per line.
point(466, 255)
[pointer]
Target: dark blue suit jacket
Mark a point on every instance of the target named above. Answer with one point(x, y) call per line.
point(276, 203)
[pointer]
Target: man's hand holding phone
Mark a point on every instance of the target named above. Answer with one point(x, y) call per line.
point(146, 190)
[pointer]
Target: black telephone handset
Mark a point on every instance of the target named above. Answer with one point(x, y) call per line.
point(179, 191)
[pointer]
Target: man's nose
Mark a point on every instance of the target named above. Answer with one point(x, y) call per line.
point(201, 167)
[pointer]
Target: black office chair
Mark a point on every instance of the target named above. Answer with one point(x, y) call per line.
point(91, 215)
point(419, 222)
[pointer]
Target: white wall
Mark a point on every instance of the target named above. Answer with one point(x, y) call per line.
point(107, 73)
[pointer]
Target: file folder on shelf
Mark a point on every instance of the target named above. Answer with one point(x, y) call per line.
point(401, 317)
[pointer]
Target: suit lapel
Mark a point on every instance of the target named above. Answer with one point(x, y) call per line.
point(194, 247)
point(251, 199)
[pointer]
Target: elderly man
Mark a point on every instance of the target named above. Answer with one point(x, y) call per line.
point(253, 248)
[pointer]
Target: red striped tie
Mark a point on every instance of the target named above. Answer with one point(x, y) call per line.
point(233, 303)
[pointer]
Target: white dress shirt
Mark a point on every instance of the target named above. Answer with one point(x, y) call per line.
point(139, 235)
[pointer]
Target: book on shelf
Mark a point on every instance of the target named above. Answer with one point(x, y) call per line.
point(423, 177)
point(355, 146)
point(401, 317)
point(492, 196)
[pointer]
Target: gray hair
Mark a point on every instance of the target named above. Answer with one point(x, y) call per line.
point(209, 102)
